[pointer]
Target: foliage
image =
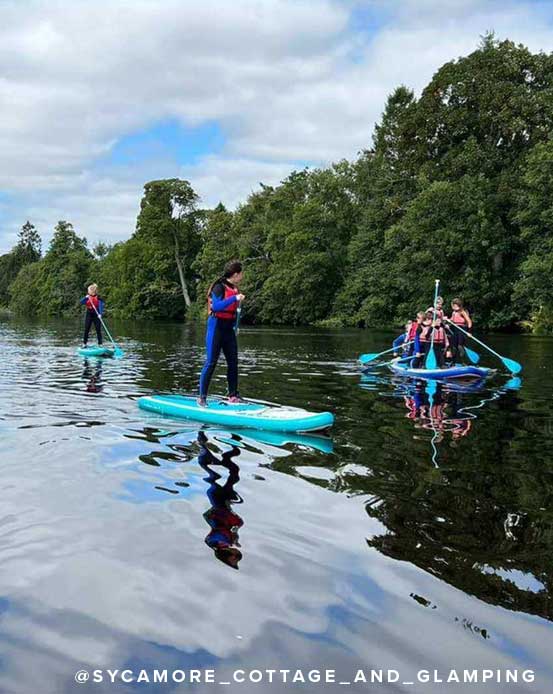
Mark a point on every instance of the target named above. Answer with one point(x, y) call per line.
point(457, 184)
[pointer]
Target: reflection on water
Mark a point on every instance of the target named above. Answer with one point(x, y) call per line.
point(222, 520)
point(428, 511)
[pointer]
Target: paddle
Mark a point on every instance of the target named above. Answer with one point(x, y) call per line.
point(394, 361)
point(513, 366)
point(430, 362)
point(238, 314)
point(118, 351)
point(371, 356)
point(473, 356)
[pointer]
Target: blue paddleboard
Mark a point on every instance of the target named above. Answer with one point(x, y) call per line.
point(452, 372)
point(251, 415)
point(99, 351)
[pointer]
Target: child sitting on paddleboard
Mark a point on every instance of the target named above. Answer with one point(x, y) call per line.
point(401, 341)
point(441, 342)
point(223, 300)
point(459, 316)
point(94, 310)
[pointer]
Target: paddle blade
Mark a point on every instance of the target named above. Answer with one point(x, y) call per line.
point(430, 362)
point(513, 383)
point(513, 366)
point(473, 356)
point(119, 354)
point(366, 358)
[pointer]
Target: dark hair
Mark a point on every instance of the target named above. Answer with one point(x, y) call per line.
point(231, 268)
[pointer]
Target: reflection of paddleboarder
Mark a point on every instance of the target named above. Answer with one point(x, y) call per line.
point(224, 523)
point(94, 376)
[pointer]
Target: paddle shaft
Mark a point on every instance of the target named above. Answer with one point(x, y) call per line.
point(475, 339)
point(386, 351)
point(432, 359)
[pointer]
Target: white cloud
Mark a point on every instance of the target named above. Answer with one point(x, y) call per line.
point(288, 80)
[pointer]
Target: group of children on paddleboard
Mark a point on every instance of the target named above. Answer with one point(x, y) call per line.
point(434, 327)
point(223, 303)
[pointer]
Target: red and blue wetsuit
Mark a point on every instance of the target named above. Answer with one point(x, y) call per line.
point(94, 306)
point(221, 335)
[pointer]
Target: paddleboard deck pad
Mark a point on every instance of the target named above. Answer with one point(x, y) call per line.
point(453, 372)
point(250, 415)
point(96, 351)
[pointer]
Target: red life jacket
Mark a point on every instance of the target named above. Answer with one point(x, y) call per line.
point(425, 333)
point(458, 318)
point(412, 332)
point(93, 302)
point(439, 335)
point(230, 312)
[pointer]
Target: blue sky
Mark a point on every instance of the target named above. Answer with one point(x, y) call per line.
point(98, 98)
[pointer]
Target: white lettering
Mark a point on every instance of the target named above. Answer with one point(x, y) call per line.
point(97, 676)
point(236, 673)
point(423, 676)
point(256, 674)
point(160, 676)
point(298, 677)
point(129, 677)
point(360, 676)
point(112, 675)
point(314, 676)
point(528, 675)
point(178, 676)
point(487, 675)
point(470, 676)
point(453, 676)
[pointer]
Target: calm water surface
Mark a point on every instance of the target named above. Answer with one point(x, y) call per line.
point(419, 536)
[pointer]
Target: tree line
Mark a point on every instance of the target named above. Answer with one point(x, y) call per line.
point(457, 184)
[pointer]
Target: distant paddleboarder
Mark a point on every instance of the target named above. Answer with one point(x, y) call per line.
point(94, 310)
point(223, 300)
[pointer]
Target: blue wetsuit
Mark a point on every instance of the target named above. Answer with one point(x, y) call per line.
point(220, 335)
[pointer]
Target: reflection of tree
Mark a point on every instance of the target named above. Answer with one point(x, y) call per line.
point(223, 521)
point(485, 512)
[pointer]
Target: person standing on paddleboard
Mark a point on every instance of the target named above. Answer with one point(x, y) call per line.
point(94, 310)
point(223, 301)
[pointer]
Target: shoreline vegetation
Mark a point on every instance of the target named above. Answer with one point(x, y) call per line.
point(457, 184)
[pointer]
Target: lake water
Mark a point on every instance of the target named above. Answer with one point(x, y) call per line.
point(418, 536)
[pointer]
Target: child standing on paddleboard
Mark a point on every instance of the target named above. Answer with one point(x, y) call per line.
point(459, 316)
point(94, 310)
point(223, 299)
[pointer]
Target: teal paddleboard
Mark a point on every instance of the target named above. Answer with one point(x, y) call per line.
point(99, 351)
point(251, 415)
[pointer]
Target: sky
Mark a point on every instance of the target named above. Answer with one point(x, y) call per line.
point(96, 98)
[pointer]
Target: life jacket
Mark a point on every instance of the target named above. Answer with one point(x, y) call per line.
point(93, 302)
point(230, 312)
point(412, 332)
point(458, 318)
point(439, 311)
point(425, 333)
point(439, 335)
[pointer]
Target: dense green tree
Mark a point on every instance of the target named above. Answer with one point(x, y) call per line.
point(534, 287)
point(139, 279)
point(26, 251)
point(53, 286)
point(169, 216)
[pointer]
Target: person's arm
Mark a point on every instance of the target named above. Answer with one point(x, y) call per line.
point(218, 303)
point(400, 339)
point(101, 305)
point(84, 300)
point(468, 319)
